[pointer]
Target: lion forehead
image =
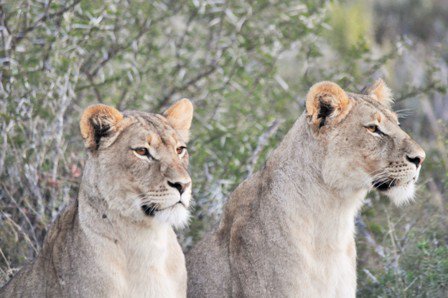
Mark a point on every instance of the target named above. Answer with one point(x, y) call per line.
point(374, 109)
point(154, 128)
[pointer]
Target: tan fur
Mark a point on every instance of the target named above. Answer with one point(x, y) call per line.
point(104, 244)
point(288, 231)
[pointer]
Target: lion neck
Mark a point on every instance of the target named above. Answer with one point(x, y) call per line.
point(322, 213)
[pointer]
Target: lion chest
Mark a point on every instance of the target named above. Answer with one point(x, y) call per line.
point(149, 270)
point(329, 273)
point(140, 265)
point(153, 282)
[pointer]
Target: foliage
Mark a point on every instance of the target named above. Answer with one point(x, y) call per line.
point(246, 65)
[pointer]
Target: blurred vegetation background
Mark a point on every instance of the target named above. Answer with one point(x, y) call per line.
point(247, 66)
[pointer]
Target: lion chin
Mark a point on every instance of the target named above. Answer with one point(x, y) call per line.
point(177, 216)
point(401, 194)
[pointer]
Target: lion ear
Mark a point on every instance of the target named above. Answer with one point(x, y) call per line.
point(98, 122)
point(326, 104)
point(180, 115)
point(380, 92)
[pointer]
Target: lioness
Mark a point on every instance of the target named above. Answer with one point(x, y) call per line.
point(288, 231)
point(116, 239)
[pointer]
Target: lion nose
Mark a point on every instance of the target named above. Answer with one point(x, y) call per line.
point(179, 186)
point(417, 160)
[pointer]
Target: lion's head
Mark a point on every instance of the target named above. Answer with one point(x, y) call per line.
point(365, 146)
point(138, 161)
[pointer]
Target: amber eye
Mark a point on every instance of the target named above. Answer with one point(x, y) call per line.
point(142, 151)
point(372, 128)
point(181, 150)
point(375, 129)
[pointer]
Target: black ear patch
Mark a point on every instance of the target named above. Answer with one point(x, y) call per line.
point(325, 110)
point(100, 130)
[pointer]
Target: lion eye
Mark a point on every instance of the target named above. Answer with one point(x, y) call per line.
point(374, 129)
point(142, 151)
point(181, 150)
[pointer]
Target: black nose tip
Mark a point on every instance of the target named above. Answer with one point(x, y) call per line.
point(417, 161)
point(179, 186)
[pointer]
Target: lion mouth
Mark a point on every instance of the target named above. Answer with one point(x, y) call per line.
point(384, 185)
point(151, 209)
